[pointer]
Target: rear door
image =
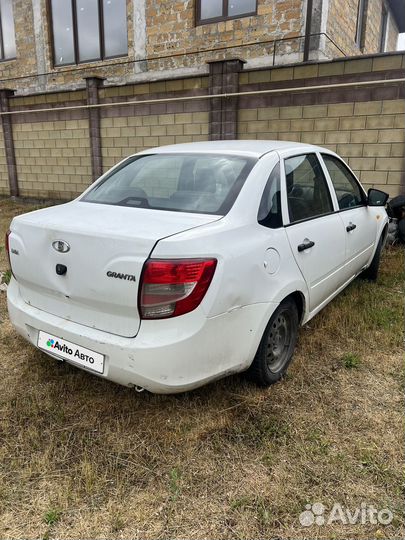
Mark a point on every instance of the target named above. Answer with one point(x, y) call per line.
point(315, 231)
point(359, 223)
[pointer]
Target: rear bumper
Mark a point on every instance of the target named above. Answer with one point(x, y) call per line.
point(166, 356)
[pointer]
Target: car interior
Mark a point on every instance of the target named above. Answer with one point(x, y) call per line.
point(307, 191)
point(183, 183)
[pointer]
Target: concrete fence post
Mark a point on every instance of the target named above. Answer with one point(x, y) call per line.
point(7, 125)
point(223, 118)
point(92, 86)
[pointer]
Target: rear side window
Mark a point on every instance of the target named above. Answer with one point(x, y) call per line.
point(348, 191)
point(200, 183)
point(308, 193)
point(269, 214)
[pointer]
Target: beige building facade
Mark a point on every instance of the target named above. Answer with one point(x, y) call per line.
point(49, 45)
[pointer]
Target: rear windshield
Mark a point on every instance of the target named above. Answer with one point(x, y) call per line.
point(199, 183)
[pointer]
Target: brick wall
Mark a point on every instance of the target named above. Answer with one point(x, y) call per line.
point(170, 29)
point(24, 30)
point(342, 22)
point(373, 26)
point(34, 58)
point(392, 35)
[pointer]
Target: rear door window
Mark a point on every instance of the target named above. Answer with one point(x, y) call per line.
point(308, 194)
point(348, 191)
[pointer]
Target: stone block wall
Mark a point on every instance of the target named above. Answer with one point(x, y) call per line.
point(127, 129)
point(125, 135)
point(368, 135)
point(365, 125)
point(55, 146)
point(53, 158)
point(4, 185)
point(52, 149)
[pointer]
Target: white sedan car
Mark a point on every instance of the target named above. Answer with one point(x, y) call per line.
point(186, 263)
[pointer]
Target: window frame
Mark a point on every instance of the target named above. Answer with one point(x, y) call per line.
point(76, 51)
point(360, 35)
point(224, 17)
point(268, 185)
point(285, 210)
point(4, 58)
point(385, 17)
point(332, 187)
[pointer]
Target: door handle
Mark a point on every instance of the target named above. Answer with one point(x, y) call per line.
point(351, 227)
point(305, 245)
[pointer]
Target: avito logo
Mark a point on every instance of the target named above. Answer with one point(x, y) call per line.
point(56, 345)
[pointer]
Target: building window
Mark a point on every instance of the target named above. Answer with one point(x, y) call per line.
point(7, 35)
point(88, 30)
point(219, 10)
point(384, 29)
point(361, 23)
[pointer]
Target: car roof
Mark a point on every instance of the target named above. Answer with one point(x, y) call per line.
point(254, 148)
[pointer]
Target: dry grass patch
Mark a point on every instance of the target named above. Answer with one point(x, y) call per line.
point(83, 458)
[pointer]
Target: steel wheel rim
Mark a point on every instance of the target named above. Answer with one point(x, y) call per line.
point(278, 342)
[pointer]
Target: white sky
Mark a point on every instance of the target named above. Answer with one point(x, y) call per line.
point(401, 42)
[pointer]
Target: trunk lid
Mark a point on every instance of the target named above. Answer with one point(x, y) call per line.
point(108, 246)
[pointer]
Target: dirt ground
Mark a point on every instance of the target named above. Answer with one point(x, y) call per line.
point(84, 458)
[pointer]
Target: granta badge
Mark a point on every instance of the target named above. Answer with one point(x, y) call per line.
point(118, 275)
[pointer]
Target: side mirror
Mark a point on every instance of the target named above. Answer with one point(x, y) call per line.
point(376, 197)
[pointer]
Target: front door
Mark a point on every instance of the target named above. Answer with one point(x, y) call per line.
point(315, 233)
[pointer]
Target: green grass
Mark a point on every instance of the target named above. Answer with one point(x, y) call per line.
point(7, 276)
point(52, 516)
point(351, 361)
point(174, 478)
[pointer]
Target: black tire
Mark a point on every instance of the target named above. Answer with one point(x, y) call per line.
point(371, 273)
point(277, 345)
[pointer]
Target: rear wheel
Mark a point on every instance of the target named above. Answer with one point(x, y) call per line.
point(371, 273)
point(277, 345)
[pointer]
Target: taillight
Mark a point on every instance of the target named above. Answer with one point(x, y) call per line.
point(173, 287)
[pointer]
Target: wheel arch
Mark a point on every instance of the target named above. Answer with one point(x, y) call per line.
point(300, 301)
